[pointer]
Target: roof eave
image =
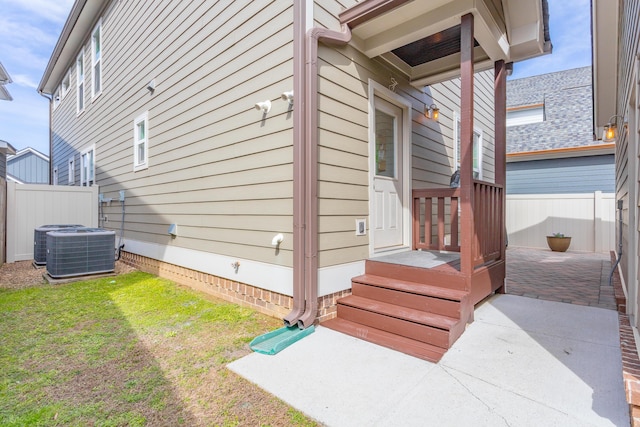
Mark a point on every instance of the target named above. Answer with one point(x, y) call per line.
point(561, 153)
point(6, 148)
point(604, 23)
point(83, 15)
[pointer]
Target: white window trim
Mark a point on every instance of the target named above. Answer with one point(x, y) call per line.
point(55, 176)
point(525, 115)
point(81, 82)
point(71, 170)
point(137, 164)
point(57, 97)
point(63, 91)
point(84, 180)
point(94, 62)
point(456, 155)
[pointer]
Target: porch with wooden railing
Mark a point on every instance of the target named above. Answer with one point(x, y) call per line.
point(436, 221)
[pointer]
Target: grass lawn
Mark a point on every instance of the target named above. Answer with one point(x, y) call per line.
point(129, 350)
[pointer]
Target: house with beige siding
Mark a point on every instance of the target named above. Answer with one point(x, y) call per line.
point(296, 156)
point(616, 79)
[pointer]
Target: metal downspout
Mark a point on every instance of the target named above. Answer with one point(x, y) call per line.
point(299, 16)
point(314, 36)
point(50, 99)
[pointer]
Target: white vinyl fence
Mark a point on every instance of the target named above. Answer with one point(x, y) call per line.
point(589, 219)
point(30, 206)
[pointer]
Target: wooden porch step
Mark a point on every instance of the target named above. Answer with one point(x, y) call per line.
point(405, 345)
point(434, 299)
point(431, 328)
point(411, 287)
point(449, 279)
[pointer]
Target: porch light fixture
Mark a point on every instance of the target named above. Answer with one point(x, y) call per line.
point(432, 112)
point(610, 132)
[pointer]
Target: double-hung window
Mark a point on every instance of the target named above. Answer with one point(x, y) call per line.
point(477, 147)
point(80, 82)
point(87, 167)
point(71, 171)
point(96, 60)
point(141, 142)
point(65, 84)
point(56, 98)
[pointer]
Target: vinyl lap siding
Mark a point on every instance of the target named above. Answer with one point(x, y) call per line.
point(216, 167)
point(557, 176)
point(628, 36)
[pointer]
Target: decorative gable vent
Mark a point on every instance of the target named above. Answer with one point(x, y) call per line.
point(81, 251)
point(40, 240)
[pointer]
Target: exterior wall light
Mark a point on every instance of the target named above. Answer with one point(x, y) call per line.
point(432, 112)
point(264, 106)
point(610, 132)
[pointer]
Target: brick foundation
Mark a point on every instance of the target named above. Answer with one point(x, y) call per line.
point(630, 360)
point(270, 303)
point(327, 306)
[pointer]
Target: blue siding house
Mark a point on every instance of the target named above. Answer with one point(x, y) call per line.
point(551, 147)
point(28, 166)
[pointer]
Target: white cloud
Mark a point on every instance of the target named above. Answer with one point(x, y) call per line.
point(29, 30)
point(570, 28)
point(54, 11)
point(24, 80)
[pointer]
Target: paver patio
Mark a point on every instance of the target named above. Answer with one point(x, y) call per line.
point(580, 278)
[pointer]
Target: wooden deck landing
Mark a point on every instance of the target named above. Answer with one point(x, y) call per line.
point(427, 259)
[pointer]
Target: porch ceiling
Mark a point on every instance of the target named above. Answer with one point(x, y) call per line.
point(421, 37)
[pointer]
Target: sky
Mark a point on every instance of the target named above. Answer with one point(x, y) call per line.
point(29, 30)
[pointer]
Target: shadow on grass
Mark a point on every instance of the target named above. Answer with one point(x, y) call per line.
point(126, 350)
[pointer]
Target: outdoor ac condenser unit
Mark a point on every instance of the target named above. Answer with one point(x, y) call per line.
point(40, 240)
point(80, 251)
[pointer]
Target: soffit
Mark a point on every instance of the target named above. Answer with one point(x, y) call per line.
point(412, 34)
point(605, 60)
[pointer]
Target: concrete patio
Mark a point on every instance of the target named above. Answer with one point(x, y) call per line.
point(524, 361)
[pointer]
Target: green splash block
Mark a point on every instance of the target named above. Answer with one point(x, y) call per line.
point(276, 341)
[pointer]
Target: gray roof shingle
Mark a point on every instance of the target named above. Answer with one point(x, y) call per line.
point(568, 111)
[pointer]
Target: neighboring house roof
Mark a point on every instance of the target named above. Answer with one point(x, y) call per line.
point(566, 97)
point(6, 148)
point(25, 151)
point(4, 79)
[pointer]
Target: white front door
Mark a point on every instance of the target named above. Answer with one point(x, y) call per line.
point(388, 193)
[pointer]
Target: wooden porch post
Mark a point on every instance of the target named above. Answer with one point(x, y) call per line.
point(500, 127)
point(466, 145)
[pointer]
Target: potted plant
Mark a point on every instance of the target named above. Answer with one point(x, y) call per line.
point(558, 242)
